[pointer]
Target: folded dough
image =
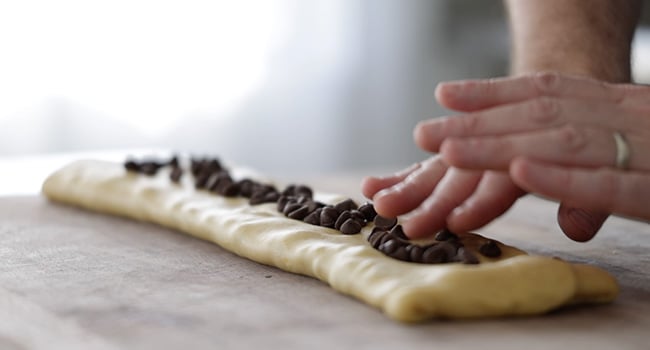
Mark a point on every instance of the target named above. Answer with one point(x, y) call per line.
point(513, 284)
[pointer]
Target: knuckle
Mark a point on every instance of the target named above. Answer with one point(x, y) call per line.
point(572, 138)
point(546, 83)
point(470, 123)
point(544, 109)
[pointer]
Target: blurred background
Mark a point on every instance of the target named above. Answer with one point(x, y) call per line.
point(280, 85)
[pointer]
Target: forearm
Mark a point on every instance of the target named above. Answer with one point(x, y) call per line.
point(585, 37)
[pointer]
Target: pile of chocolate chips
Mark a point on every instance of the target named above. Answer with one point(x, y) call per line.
point(297, 202)
point(388, 237)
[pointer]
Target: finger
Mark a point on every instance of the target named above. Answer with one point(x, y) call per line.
point(569, 145)
point(430, 217)
point(407, 194)
point(534, 114)
point(471, 95)
point(370, 185)
point(579, 224)
point(494, 195)
point(601, 190)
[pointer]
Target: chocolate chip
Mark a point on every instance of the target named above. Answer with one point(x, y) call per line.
point(229, 190)
point(450, 248)
point(175, 174)
point(389, 246)
point(246, 187)
point(290, 207)
point(289, 190)
point(368, 211)
point(398, 232)
point(264, 194)
point(298, 190)
point(358, 216)
point(299, 213)
point(350, 227)
point(445, 235)
point(201, 180)
point(313, 205)
point(303, 199)
point(347, 204)
point(217, 179)
point(328, 216)
point(385, 223)
point(341, 219)
point(400, 253)
point(434, 254)
point(376, 237)
point(283, 200)
point(149, 168)
point(173, 162)
point(385, 238)
point(375, 231)
point(303, 190)
point(490, 249)
point(132, 165)
point(258, 197)
point(415, 252)
point(467, 257)
point(313, 217)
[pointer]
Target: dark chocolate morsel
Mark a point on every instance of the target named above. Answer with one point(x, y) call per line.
point(313, 205)
point(385, 238)
point(313, 217)
point(283, 200)
point(445, 235)
point(289, 190)
point(173, 162)
point(201, 180)
point(401, 254)
point(175, 174)
point(299, 213)
point(246, 187)
point(415, 252)
point(132, 165)
point(350, 227)
point(467, 257)
point(290, 206)
point(149, 168)
point(490, 249)
point(368, 211)
point(376, 238)
point(358, 216)
point(434, 254)
point(450, 248)
point(385, 223)
point(398, 232)
point(302, 199)
point(347, 204)
point(389, 246)
point(230, 190)
point(302, 190)
point(271, 197)
point(344, 216)
point(328, 216)
point(375, 231)
point(212, 182)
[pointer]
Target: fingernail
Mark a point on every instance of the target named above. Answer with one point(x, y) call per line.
point(586, 223)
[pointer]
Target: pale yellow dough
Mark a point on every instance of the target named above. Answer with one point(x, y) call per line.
point(516, 284)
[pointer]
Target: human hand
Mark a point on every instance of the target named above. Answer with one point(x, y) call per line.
point(554, 135)
point(436, 196)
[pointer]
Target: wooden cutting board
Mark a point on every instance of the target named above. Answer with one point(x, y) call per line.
point(71, 279)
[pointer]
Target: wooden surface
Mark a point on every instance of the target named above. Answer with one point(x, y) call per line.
point(71, 279)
